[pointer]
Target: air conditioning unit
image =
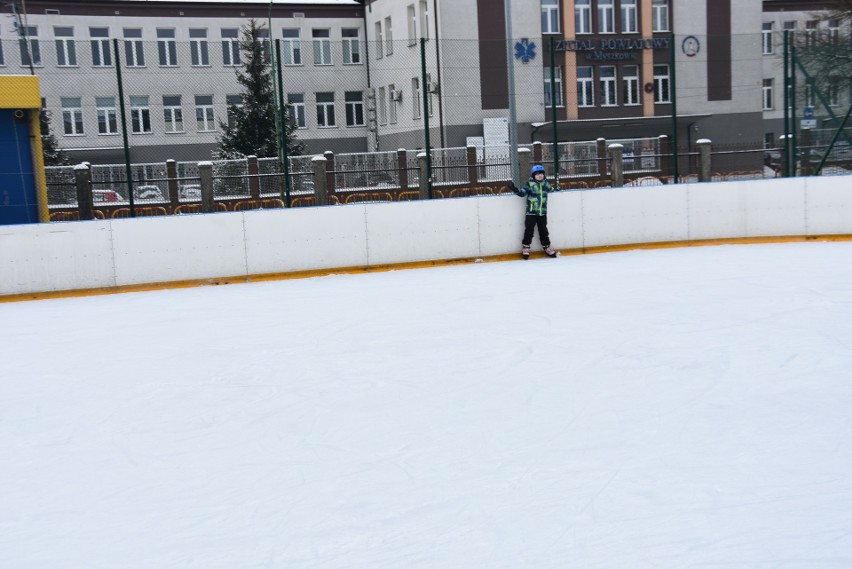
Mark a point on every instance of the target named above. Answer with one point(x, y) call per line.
point(433, 86)
point(396, 95)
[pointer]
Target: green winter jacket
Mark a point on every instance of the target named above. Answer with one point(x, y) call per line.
point(536, 194)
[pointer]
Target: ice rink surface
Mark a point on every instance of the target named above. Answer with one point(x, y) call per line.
point(682, 408)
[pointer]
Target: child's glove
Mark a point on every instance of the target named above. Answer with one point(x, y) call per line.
point(513, 187)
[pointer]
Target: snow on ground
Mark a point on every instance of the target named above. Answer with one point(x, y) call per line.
point(650, 409)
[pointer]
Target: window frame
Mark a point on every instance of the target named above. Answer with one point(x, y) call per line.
point(134, 49)
point(101, 49)
point(606, 16)
point(660, 17)
point(144, 115)
point(30, 47)
point(298, 118)
point(231, 56)
point(767, 38)
point(354, 47)
point(608, 85)
point(560, 98)
point(354, 109)
point(585, 87)
point(72, 115)
point(206, 113)
point(629, 14)
point(199, 48)
point(107, 116)
point(583, 17)
point(631, 93)
point(662, 85)
point(167, 47)
point(66, 47)
point(326, 114)
point(550, 17)
point(322, 47)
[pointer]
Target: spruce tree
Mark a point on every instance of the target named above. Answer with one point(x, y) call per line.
point(253, 130)
point(53, 155)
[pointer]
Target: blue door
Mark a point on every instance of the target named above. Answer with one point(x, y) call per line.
point(17, 179)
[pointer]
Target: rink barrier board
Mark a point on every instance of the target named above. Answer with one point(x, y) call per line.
point(365, 269)
point(45, 260)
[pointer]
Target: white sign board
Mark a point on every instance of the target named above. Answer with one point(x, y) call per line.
point(808, 124)
point(496, 136)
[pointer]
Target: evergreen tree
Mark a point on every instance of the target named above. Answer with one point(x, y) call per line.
point(253, 122)
point(53, 155)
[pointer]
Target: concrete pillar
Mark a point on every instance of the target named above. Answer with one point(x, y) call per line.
point(320, 180)
point(402, 168)
point(330, 182)
point(524, 162)
point(205, 173)
point(472, 174)
point(83, 180)
point(703, 145)
point(171, 174)
point(424, 176)
point(253, 179)
point(616, 155)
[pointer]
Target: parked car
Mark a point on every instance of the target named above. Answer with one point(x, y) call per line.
point(148, 193)
point(190, 192)
point(106, 196)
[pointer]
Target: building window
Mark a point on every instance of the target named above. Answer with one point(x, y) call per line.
point(380, 42)
point(585, 87)
point(72, 116)
point(383, 107)
point(172, 113)
point(833, 32)
point(351, 46)
point(296, 110)
point(583, 16)
point(790, 26)
point(292, 46)
point(431, 89)
point(354, 103)
point(660, 15)
point(230, 46)
point(557, 87)
point(810, 33)
point(392, 103)
point(662, 93)
point(198, 50)
point(768, 48)
point(424, 19)
point(833, 91)
point(415, 98)
point(325, 110)
point(629, 19)
point(166, 47)
point(265, 45)
point(232, 103)
point(140, 115)
point(388, 36)
point(322, 47)
point(134, 53)
point(107, 115)
point(30, 49)
point(810, 96)
point(607, 84)
point(66, 50)
point(550, 16)
point(2, 58)
point(101, 53)
point(606, 16)
point(412, 25)
point(630, 81)
point(204, 121)
point(767, 95)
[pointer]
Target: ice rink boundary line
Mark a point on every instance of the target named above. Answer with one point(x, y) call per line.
point(169, 285)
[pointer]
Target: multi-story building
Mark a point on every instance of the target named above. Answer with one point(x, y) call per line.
point(178, 62)
point(371, 74)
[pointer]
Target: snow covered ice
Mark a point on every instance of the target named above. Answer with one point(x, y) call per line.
point(678, 408)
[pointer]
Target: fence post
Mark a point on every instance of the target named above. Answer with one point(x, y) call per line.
point(320, 179)
point(665, 158)
point(205, 173)
point(253, 180)
point(538, 154)
point(402, 167)
point(616, 154)
point(424, 176)
point(602, 173)
point(330, 176)
point(703, 145)
point(171, 174)
point(472, 174)
point(83, 180)
point(524, 163)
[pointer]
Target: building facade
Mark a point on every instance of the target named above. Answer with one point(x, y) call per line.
point(371, 74)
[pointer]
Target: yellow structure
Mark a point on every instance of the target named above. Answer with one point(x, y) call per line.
point(20, 104)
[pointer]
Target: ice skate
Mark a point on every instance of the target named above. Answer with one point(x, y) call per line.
point(551, 252)
point(525, 252)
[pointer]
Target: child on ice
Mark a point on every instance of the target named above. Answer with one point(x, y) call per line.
point(535, 190)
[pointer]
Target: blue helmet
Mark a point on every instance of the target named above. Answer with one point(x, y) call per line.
point(536, 169)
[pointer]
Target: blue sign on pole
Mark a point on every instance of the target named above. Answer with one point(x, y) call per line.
point(808, 113)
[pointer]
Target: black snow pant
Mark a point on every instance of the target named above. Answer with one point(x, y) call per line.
point(530, 224)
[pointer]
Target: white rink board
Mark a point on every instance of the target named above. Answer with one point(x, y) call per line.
point(97, 254)
point(54, 257)
point(176, 248)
